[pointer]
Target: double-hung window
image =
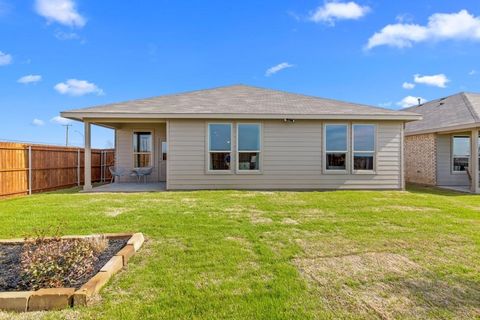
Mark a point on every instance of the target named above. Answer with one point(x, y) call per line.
point(460, 153)
point(363, 147)
point(336, 147)
point(142, 149)
point(248, 146)
point(219, 146)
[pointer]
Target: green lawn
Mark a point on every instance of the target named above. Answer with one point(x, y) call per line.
point(275, 255)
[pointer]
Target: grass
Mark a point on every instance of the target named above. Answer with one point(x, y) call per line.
point(275, 255)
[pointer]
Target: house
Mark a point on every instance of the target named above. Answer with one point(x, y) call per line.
point(439, 148)
point(243, 137)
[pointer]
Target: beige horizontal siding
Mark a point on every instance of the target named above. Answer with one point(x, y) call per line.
point(124, 149)
point(445, 176)
point(292, 159)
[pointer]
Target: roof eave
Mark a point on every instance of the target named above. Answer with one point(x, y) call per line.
point(444, 130)
point(80, 116)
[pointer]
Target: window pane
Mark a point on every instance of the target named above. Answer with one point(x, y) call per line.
point(248, 161)
point(142, 141)
point(164, 150)
point(220, 161)
point(461, 146)
point(336, 137)
point(363, 137)
point(460, 164)
point(220, 137)
point(336, 161)
point(362, 161)
point(248, 137)
point(142, 160)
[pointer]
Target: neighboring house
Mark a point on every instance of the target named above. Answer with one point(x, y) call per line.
point(242, 137)
point(439, 148)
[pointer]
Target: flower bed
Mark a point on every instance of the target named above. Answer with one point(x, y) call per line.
point(76, 267)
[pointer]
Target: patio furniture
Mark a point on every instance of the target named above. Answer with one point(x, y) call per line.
point(143, 172)
point(118, 172)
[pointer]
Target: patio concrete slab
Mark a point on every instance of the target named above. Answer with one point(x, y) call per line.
point(129, 187)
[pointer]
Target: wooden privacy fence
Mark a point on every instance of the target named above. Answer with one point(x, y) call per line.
point(27, 168)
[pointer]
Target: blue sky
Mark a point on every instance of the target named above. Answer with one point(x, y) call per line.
point(62, 54)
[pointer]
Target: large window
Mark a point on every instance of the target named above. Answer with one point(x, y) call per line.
point(142, 149)
point(248, 146)
point(219, 146)
point(460, 153)
point(363, 147)
point(336, 147)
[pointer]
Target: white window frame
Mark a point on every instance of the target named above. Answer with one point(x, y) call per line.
point(374, 152)
point(229, 171)
point(259, 151)
point(325, 151)
point(453, 156)
point(152, 144)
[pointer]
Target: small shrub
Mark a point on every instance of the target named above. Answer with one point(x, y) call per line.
point(98, 243)
point(56, 262)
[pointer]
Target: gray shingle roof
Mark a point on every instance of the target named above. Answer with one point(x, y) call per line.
point(459, 110)
point(235, 101)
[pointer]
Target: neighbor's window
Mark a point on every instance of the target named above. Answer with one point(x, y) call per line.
point(336, 146)
point(219, 146)
point(142, 149)
point(248, 144)
point(363, 147)
point(461, 153)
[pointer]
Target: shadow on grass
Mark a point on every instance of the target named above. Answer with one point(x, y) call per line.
point(419, 189)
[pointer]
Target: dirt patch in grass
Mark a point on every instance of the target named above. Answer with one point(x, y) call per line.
point(359, 266)
point(408, 209)
point(113, 212)
point(388, 286)
point(289, 221)
point(258, 219)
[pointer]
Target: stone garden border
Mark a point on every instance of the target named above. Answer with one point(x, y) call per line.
point(61, 298)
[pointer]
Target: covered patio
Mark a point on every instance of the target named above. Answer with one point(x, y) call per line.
point(151, 154)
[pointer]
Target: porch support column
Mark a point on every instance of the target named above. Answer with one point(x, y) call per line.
point(474, 160)
point(88, 157)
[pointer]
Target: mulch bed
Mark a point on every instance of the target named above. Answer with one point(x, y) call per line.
point(10, 265)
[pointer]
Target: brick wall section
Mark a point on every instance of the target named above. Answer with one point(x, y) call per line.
point(421, 159)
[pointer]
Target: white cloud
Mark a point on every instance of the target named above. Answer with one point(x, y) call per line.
point(440, 26)
point(31, 78)
point(5, 59)
point(38, 122)
point(61, 35)
point(472, 72)
point(333, 10)
point(74, 87)
point(61, 11)
point(60, 120)
point(408, 85)
point(409, 101)
point(277, 68)
point(437, 80)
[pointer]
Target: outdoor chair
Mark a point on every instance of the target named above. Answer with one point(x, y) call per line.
point(117, 172)
point(143, 172)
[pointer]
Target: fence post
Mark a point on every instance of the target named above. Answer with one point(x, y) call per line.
point(78, 167)
point(102, 173)
point(29, 170)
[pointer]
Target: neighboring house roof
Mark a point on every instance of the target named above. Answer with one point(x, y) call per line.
point(238, 102)
point(456, 112)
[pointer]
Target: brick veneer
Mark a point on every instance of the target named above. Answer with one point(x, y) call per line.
point(421, 159)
